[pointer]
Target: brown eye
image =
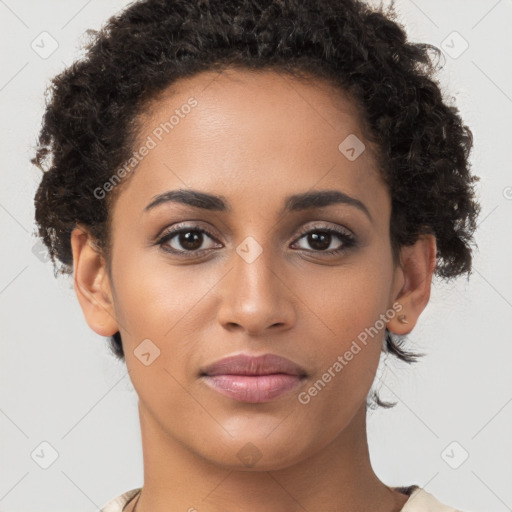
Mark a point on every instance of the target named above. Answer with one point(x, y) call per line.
point(185, 239)
point(323, 240)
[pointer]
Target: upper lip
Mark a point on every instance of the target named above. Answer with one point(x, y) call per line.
point(244, 364)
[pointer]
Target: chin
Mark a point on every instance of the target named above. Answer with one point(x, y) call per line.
point(264, 453)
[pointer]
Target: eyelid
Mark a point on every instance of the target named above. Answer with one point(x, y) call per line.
point(322, 226)
point(194, 225)
point(180, 227)
point(345, 235)
point(348, 239)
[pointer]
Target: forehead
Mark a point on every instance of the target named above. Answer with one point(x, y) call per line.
point(244, 99)
point(256, 136)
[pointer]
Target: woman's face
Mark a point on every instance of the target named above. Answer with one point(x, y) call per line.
point(259, 280)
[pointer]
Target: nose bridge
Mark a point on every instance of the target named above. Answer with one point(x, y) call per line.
point(254, 296)
point(254, 258)
point(254, 268)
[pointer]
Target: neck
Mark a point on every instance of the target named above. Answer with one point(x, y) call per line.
point(338, 477)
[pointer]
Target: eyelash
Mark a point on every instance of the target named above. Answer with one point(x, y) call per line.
point(347, 239)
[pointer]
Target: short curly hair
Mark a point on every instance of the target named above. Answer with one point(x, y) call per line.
point(90, 123)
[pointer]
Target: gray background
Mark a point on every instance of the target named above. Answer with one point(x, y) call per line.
point(61, 386)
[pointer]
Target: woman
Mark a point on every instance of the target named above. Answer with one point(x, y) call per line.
point(253, 199)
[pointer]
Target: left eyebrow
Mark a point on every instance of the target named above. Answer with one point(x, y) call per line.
point(293, 203)
point(320, 199)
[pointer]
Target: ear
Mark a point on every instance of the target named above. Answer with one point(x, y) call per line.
point(412, 282)
point(92, 283)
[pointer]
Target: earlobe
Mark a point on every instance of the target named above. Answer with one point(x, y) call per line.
point(418, 264)
point(91, 283)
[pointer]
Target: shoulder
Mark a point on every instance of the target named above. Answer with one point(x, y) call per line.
point(118, 503)
point(422, 501)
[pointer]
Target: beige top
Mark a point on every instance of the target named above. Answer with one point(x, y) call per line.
point(419, 501)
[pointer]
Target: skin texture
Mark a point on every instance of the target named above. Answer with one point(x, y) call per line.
point(254, 139)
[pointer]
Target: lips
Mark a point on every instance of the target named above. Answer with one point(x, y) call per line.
point(242, 364)
point(253, 379)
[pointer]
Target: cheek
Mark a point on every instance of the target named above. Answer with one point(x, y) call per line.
point(343, 301)
point(346, 361)
point(348, 305)
point(153, 295)
point(161, 308)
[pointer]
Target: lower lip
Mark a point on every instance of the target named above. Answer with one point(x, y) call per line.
point(253, 388)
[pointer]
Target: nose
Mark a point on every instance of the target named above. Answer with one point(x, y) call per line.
point(256, 295)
